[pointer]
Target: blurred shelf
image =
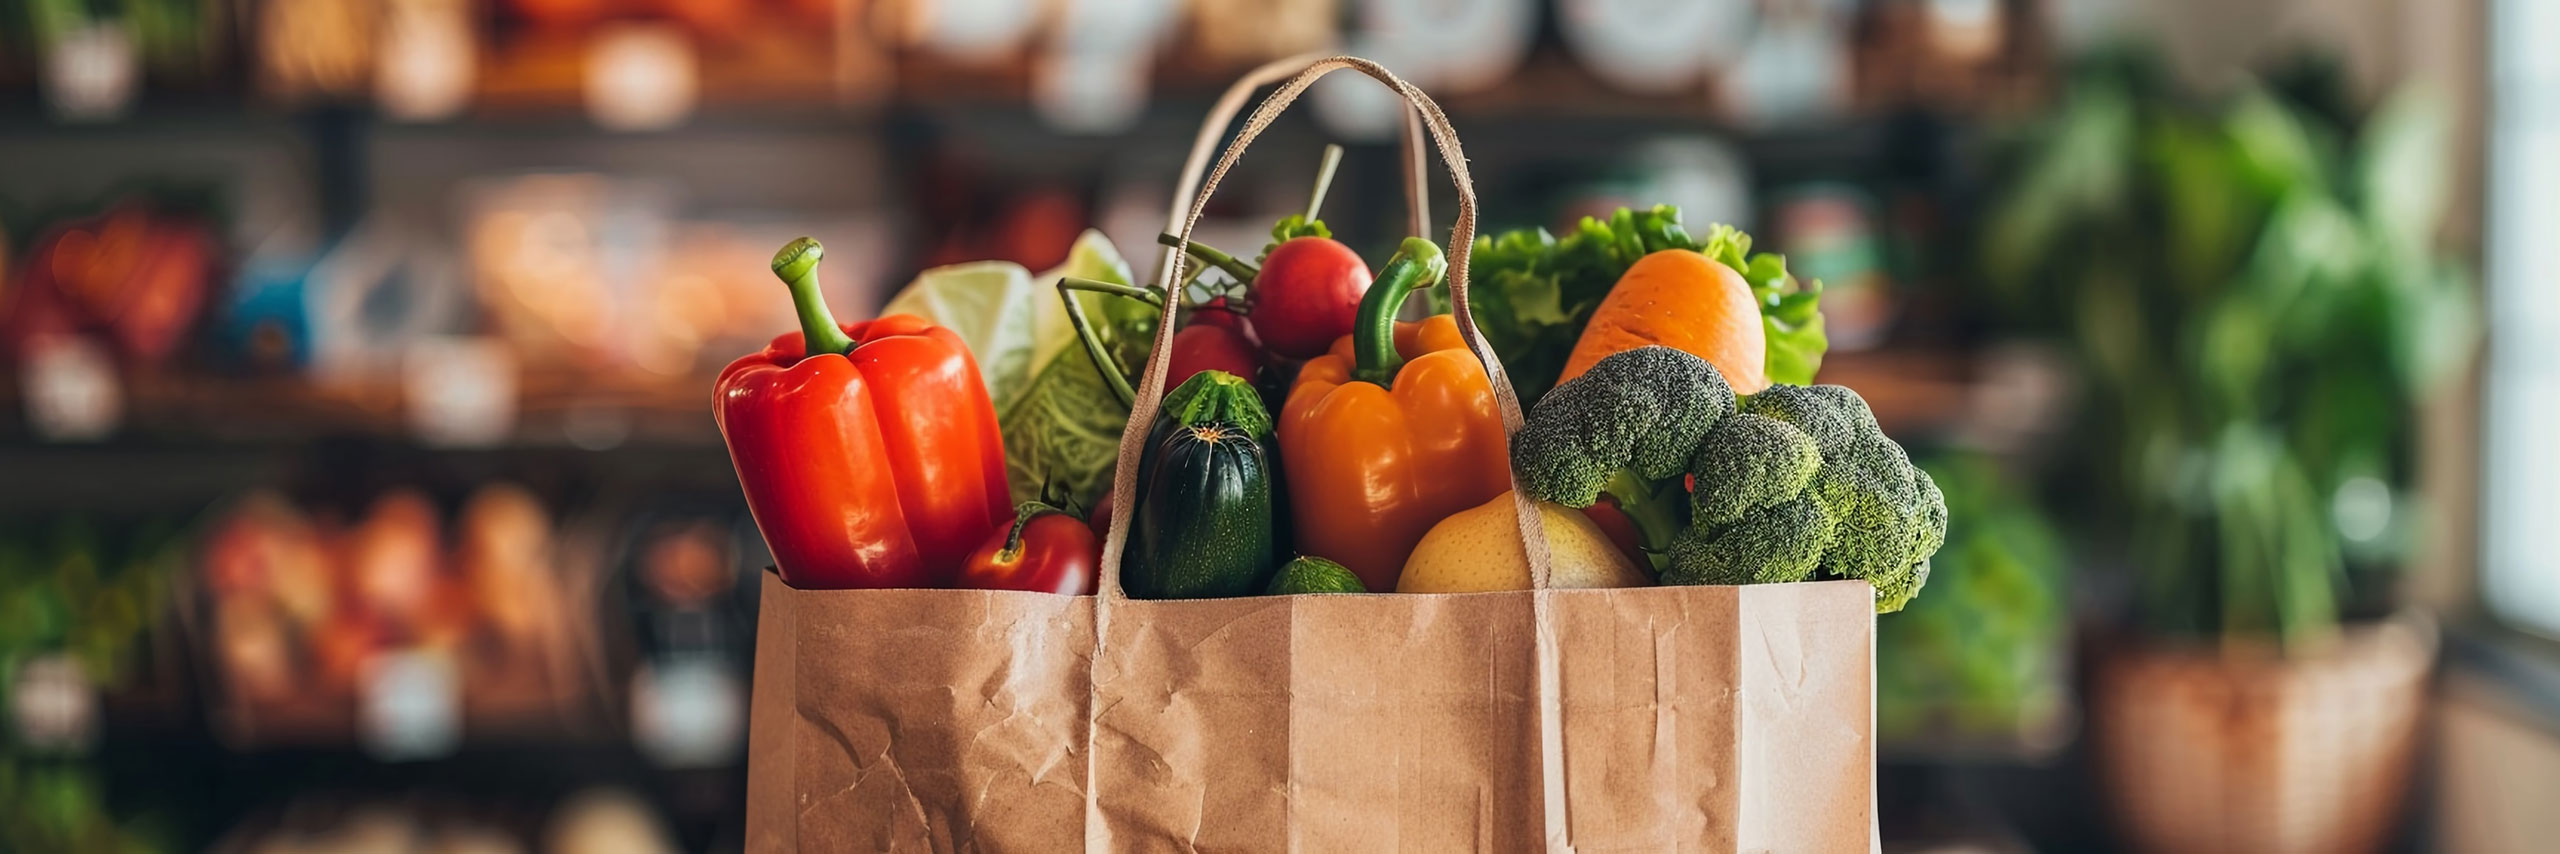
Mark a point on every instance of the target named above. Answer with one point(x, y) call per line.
point(555, 409)
point(216, 794)
point(1912, 390)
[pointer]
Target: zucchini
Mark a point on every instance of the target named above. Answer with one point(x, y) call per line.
point(1205, 525)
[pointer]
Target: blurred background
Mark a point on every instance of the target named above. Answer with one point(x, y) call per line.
point(358, 491)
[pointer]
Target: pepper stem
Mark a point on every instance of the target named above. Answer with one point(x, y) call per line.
point(1417, 265)
point(1324, 179)
point(797, 266)
point(1210, 255)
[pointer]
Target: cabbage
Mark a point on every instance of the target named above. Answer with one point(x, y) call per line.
point(1061, 423)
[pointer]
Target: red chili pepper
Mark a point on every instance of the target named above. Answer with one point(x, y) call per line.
point(868, 451)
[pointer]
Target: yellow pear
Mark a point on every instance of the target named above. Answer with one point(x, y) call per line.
point(1479, 550)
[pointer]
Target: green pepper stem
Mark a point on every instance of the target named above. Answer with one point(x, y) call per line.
point(1324, 179)
point(1112, 378)
point(1417, 265)
point(1211, 256)
point(797, 266)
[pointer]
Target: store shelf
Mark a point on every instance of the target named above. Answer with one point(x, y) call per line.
point(555, 410)
point(1913, 391)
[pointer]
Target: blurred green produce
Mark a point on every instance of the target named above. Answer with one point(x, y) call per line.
point(1977, 663)
point(2256, 290)
point(69, 588)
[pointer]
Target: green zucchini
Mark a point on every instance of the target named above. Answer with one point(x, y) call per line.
point(1205, 525)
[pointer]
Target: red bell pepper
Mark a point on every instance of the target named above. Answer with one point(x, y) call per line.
point(868, 451)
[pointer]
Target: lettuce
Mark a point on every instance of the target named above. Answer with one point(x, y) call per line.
point(1061, 423)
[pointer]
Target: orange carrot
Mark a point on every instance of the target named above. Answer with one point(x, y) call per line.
point(1679, 298)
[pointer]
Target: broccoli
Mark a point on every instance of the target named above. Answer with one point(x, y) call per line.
point(1889, 514)
point(1792, 482)
point(1749, 462)
point(1833, 415)
point(1642, 410)
point(1782, 543)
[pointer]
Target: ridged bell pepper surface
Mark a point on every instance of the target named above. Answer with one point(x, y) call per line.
point(1391, 432)
point(868, 451)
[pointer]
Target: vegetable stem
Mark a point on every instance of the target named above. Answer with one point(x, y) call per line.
point(1656, 519)
point(1417, 265)
point(1022, 515)
point(1093, 349)
point(797, 266)
point(1324, 179)
point(1211, 256)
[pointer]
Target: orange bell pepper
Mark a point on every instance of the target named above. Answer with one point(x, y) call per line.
point(1391, 432)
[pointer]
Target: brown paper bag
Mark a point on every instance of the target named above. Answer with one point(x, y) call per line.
point(1716, 719)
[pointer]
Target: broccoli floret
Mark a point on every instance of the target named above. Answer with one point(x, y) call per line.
point(1796, 480)
point(1746, 463)
point(1902, 587)
point(1643, 409)
point(1883, 511)
point(1835, 416)
point(1779, 544)
point(1882, 518)
point(1890, 515)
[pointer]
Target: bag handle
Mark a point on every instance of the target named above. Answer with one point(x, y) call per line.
point(1423, 115)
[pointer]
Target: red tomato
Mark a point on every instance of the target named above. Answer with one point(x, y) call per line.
point(1307, 295)
point(1216, 313)
point(1099, 518)
point(1621, 530)
point(1046, 551)
point(1207, 347)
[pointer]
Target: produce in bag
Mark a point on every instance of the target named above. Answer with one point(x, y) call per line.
point(1305, 290)
point(1539, 295)
point(1045, 549)
point(1205, 523)
point(1392, 431)
point(888, 720)
point(869, 451)
point(1793, 480)
point(1061, 422)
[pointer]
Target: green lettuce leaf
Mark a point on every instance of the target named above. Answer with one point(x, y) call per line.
point(991, 304)
point(1061, 423)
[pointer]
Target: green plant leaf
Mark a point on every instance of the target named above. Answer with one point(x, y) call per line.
point(2403, 166)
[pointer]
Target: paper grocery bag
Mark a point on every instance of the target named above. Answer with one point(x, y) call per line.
point(1692, 719)
point(1710, 719)
point(918, 720)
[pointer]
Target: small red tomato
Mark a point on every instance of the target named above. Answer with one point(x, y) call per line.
point(1216, 313)
point(1099, 518)
point(1042, 550)
point(1307, 295)
point(1203, 347)
point(1621, 530)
